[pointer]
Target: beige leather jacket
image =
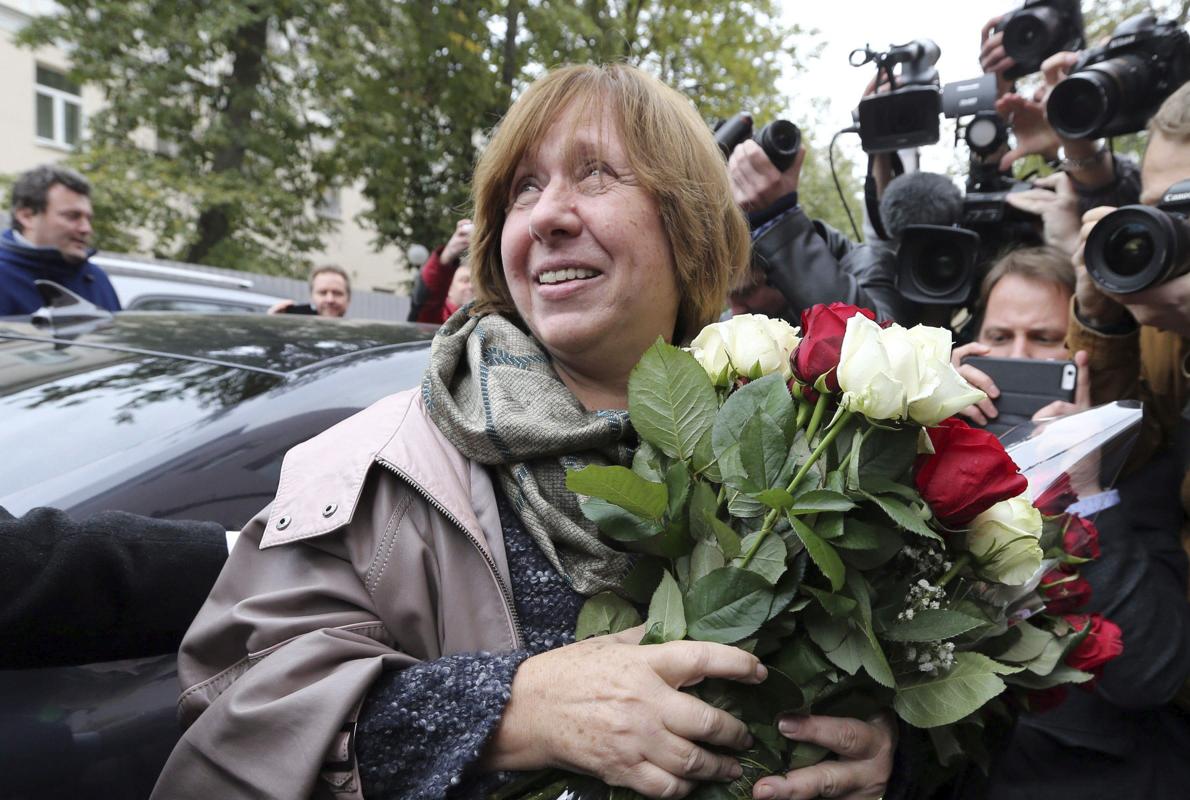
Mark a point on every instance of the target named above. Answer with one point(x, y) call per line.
point(383, 547)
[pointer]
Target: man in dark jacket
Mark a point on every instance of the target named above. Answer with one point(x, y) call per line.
point(50, 238)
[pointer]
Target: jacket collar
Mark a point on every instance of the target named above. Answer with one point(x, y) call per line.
point(323, 478)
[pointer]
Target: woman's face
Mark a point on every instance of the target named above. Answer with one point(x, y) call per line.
point(587, 261)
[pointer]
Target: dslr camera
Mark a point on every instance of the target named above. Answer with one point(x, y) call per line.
point(1037, 30)
point(1114, 89)
point(907, 116)
point(780, 139)
point(1138, 247)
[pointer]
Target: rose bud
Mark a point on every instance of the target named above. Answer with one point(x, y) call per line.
point(823, 327)
point(968, 473)
point(1081, 538)
point(1103, 642)
point(1065, 592)
point(1057, 497)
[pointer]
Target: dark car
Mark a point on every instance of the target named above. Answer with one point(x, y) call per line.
point(176, 416)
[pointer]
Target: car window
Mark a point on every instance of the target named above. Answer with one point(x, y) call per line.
point(63, 408)
point(189, 306)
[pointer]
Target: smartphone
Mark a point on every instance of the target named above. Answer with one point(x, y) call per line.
point(1027, 384)
point(300, 308)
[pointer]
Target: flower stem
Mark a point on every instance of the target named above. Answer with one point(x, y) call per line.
point(816, 417)
point(771, 518)
point(960, 563)
point(803, 412)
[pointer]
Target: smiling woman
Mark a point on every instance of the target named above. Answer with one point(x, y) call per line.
point(400, 621)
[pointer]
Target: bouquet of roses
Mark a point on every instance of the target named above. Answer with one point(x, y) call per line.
point(813, 501)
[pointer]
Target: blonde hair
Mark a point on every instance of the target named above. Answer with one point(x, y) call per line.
point(674, 158)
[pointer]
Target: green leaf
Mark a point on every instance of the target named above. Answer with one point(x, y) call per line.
point(1056, 677)
point(617, 523)
point(646, 462)
point(830, 525)
point(826, 631)
point(622, 487)
point(902, 515)
point(857, 443)
point(787, 588)
point(605, 613)
point(818, 500)
point(666, 610)
point(704, 462)
point(728, 539)
point(967, 686)
point(705, 559)
point(704, 505)
point(643, 578)
point(878, 484)
point(836, 605)
point(886, 453)
point(932, 625)
point(775, 498)
point(727, 605)
point(671, 401)
point(677, 485)
point(744, 507)
point(764, 412)
point(768, 561)
point(1025, 643)
point(823, 555)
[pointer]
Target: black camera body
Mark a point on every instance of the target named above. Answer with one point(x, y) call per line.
point(1114, 89)
point(780, 139)
point(907, 116)
point(1037, 30)
point(1138, 247)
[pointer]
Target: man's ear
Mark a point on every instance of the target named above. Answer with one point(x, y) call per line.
point(24, 217)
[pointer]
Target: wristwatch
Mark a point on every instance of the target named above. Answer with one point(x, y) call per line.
point(1067, 164)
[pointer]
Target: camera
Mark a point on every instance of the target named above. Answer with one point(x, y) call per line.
point(1115, 88)
point(780, 139)
point(936, 264)
point(1138, 247)
point(1037, 30)
point(907, 116)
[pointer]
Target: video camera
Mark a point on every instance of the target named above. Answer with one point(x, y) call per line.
point(1114, 89)
point(1037, 30)
point(780, 139)
point(1138, 247)
point(907, 116)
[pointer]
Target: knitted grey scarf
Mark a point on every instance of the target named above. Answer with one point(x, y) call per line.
point(490, 388)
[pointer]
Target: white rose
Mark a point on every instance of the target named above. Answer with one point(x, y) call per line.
point(1005, 541)
point(747, 345)
point(710, 350)
point(872, 370)
point(943, 391)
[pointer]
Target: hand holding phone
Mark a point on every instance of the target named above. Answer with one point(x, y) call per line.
point(1021, 389)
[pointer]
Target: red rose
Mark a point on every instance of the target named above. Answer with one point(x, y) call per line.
point(968, 473)
point(1064, 591)
point(822, 339)
point(1102, 643)
point(1041, 700)
point(1081, 538)
point(1057, 498)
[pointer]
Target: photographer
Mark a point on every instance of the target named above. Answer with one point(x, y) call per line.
point(1138, 342)
point(798, 262)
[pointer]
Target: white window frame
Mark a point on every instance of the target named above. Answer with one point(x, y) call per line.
point(60, 99)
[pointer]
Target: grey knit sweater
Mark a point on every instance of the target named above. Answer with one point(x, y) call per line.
point(422, 729)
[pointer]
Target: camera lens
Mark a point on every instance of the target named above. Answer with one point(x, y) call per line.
point(941, 269)
point(1028, 35)
point(1081, 106)
point(780, 141)
point(1136, 248)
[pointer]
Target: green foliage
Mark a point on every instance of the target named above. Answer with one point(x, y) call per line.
point(603, 614)
point(671, 400)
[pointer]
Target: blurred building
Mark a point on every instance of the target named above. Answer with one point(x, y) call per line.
point(45, 118)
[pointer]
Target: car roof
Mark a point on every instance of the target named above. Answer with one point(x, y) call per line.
point(280, 344)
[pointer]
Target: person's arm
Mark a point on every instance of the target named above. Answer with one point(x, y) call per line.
point(113, 586)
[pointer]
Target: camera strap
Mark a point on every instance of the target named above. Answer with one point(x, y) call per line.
point(871, 200)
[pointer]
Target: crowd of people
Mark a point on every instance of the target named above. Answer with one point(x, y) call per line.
point(413, 636)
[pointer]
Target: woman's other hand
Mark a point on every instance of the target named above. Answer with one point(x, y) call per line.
point(612, 708)
point(861, 772)
point(984, 411)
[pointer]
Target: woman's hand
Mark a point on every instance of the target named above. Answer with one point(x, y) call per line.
point(861, 772)
point(985, 410)
point(611, 708)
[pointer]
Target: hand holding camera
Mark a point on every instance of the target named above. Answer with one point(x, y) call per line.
point(1055, 201)
point(756, 182)
point(459, 241)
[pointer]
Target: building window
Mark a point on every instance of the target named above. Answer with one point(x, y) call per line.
point(59, 109)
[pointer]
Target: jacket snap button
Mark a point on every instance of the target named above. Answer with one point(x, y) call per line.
point(330, 509)
point(283, 523)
